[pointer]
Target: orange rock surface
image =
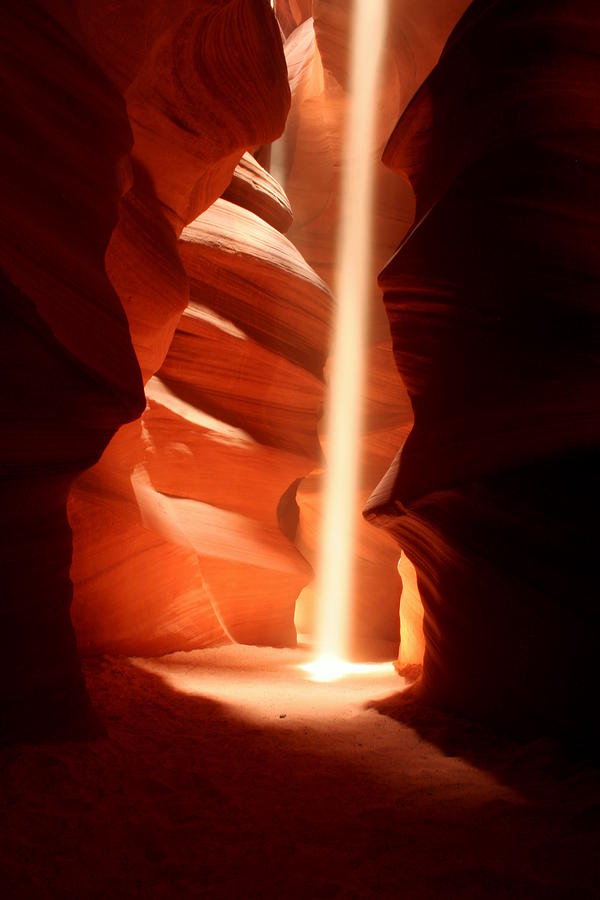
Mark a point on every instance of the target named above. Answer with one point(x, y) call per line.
point(255, 189)
point(127, 124)
point(203, 520)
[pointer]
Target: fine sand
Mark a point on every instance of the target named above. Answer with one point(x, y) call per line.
point(227, 773)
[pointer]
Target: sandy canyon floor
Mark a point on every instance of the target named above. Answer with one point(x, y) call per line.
point(228, 773)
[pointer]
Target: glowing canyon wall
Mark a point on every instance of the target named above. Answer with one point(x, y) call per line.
point(492, 300)
point(123, 125)
point(183, 533)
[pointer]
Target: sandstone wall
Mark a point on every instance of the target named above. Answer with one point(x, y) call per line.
point(492, 301)
point(184, 531)
point(122, 123)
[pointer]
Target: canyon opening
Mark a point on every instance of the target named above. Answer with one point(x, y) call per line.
point(299, 445)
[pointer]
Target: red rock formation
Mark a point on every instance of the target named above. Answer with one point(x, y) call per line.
point(492, 301)
point(86, 76)
point(200, 544)
point(255, 189)
point(157, 597)
point(250, 352)
point(192, 113)
point(63, 396)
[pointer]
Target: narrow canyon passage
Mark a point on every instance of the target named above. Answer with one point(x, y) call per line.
point(247, 780)
point(299, 446)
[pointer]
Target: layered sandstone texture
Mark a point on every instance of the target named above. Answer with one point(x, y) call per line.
point(122, 125)
point(493, 306)
point(309, 159)
point(201, 497)
point(183, 534)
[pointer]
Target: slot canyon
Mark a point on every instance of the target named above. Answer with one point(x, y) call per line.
point(291, 309)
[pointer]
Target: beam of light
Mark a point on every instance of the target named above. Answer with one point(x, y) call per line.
point(343, 416)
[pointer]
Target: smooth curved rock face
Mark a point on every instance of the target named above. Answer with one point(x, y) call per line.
point(92, 282)
point(132, 589)
point(200, 78)
point(266, 286)
point(63, 396)
point(201, 498)
point(193, 112)
point(492, 301)
point(139, 585)
point(250, 351)
point(253, 188)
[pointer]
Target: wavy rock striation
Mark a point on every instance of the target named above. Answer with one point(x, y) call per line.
point(139, 584)
point(142, 114)
point(492, 301)
point(203, 521)
point(255, 189)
